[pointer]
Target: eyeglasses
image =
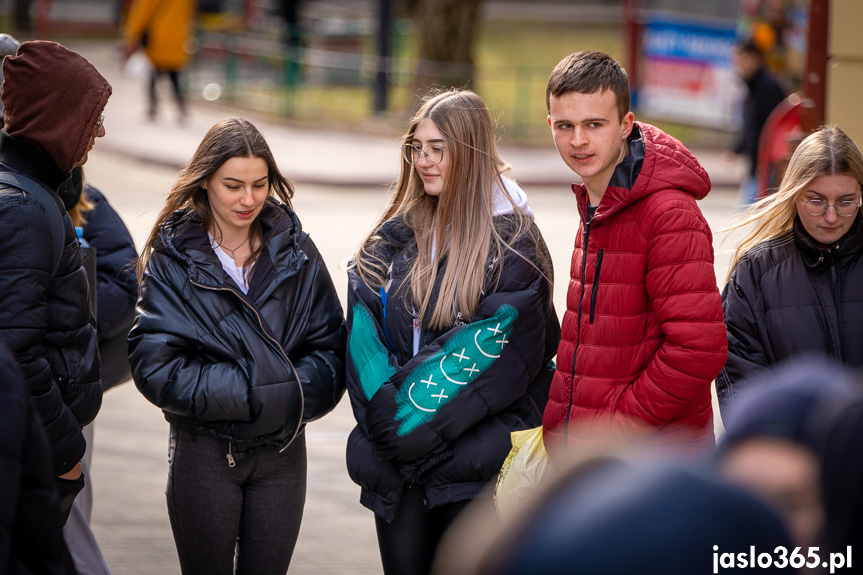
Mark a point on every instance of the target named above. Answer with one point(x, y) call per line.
point(845, 208)
point(100, 122)
point(432, 152)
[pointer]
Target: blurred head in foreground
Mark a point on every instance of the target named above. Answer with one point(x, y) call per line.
point(607, 517)
point(772, 440)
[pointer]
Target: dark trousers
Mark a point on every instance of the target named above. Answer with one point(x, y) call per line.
point(408, 544)
point(174, 77)
point(249, 513)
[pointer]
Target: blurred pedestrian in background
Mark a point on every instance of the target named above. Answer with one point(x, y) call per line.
point(763, 94)
point(116, 292)
point(45, 314)
point(240, 339)
point(163, 29)
point(451, 331)
point(642, 336)
point(795, 277)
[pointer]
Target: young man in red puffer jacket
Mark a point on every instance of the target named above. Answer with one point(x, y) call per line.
point(642, 334)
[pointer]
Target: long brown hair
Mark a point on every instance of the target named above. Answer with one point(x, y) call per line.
point(826, 152)
point(457, 225)
point(230, 138)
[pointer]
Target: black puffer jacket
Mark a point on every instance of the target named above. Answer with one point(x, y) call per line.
point(443, 417)
point(116, 285)
point(116, 281)
point(250, 369)
point(115, 265)
point(31, 535)
point(47, 323)
point(786, 297)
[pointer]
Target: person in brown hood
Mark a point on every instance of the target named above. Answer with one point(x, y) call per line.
point(45, 317)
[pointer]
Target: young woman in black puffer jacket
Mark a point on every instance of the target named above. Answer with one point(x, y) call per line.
point(795, 279)
point(240, 339)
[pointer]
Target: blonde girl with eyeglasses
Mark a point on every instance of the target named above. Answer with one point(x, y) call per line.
point(451, 331)
point(795, 280)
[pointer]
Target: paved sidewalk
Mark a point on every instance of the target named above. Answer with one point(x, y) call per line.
point(305, 154)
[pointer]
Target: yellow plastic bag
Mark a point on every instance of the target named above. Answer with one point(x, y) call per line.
point(522, 471)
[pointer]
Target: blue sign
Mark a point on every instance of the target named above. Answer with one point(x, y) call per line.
point(688, 73)
point(689, 42)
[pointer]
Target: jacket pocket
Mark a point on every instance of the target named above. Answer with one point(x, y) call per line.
point(595, 288)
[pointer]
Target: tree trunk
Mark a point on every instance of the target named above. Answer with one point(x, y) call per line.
point(446, 30)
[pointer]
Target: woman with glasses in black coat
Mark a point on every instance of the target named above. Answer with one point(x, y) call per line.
point(451, 331)
point(795, 278)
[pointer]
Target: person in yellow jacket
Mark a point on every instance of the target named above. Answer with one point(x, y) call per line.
point(163, 29)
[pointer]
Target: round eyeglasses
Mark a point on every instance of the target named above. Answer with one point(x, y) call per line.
point(100, 122)
point(845, 208)
point(432, 152)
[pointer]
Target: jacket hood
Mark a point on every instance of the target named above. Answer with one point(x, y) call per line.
point(22, 157)
point(72, 189)
point(37, 84)
point(655, 162)
point(398, 234)
point(502, 205)
point(184, 238)
point(848, 247)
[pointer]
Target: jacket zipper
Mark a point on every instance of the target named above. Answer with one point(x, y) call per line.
point(595, 284)
point(837, 302)
point(420, 338)
point(231, 462)
point(279, 347)
point(384, 295)
point(577, 333)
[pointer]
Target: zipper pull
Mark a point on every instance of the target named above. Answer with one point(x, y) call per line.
point(231, 462)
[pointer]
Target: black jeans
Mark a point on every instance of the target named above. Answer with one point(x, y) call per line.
point(249, 513)
point(408, 544)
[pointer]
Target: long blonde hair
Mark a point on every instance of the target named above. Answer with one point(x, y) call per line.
point(826, 152)
point(230, 138)
point(457, 225)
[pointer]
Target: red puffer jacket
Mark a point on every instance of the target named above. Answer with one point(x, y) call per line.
point(643, 333)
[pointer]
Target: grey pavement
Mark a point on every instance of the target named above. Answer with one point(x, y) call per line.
point(338, 198)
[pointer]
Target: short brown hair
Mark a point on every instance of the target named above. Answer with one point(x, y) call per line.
point(589, 72)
